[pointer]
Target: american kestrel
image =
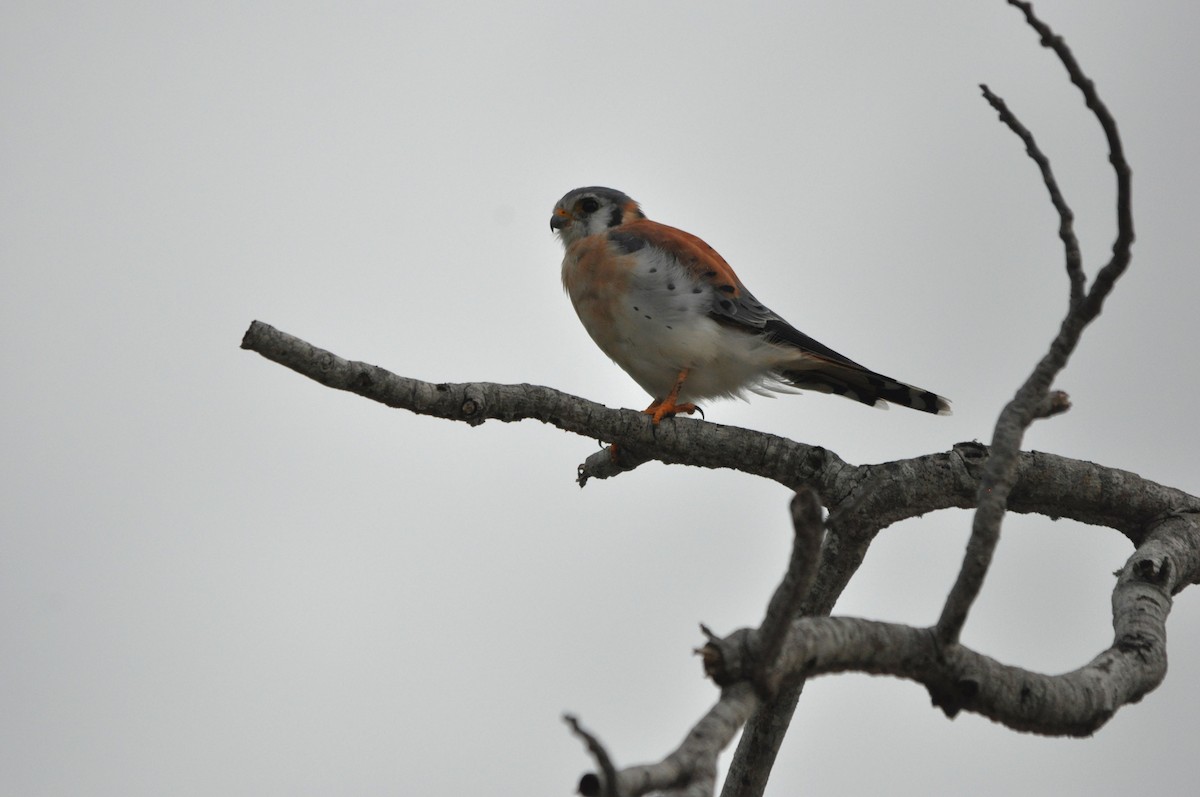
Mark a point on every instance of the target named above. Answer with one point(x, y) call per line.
point(670, 311)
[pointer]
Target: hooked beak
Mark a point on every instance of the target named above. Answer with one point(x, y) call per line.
point(560, 219)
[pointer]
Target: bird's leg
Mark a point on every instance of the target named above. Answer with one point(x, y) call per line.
point(666, 407)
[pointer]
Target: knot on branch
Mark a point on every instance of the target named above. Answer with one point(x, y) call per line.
point(589, 785)
point(730, 659)
point(1141, 645)
point(973, 454)
point(953, 694)
point(1153, 570)
point(470, 408)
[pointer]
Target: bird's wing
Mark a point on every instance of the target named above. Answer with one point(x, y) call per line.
point(814, 365)
point(733, 304)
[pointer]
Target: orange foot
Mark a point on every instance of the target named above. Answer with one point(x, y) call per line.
point(669, 406)
point(661, 409)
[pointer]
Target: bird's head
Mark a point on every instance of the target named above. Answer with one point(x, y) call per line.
point(588, 211)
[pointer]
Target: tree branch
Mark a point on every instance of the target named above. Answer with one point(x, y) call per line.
point(1066, 226)
point(592, 785)
point(690, 770)
point(1121, 248)
point(1000, 473)
point(678, 440)
point(884, 493)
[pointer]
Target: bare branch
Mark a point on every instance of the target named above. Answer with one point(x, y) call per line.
point(677, 440)
point(885, 493)
point(590, 785)
point(1066, 226)
point(689, 771)
point(1000, 473)
point(1116, 156)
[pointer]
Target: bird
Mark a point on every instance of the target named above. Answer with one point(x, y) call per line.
point(668, 309)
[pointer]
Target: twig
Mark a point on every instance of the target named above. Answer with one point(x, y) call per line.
point(1056, 402)
point(1122, 246)
point(1066, 226)
point(590, 785)
point(690, 770)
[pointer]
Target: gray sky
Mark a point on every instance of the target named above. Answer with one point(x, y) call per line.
point(217, 577)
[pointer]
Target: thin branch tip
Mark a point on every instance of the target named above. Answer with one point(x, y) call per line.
point(591, 784)
point(1056, 402)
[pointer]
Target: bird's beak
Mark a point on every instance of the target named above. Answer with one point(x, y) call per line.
point(560, 219)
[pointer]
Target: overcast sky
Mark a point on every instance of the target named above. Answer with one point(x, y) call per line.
point(219, 578)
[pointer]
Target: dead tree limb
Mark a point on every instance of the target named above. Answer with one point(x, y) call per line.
point(764, 734)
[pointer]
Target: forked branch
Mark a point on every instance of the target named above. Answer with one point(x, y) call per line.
point(692, 768)
point(748, 663)
point(760, 742)
point(1000, 473)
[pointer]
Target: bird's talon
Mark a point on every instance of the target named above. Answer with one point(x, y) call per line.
point(659, 410)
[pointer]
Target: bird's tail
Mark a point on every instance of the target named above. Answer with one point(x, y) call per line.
point(862, 385)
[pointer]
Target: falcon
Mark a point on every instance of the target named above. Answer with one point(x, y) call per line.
point(666, 308)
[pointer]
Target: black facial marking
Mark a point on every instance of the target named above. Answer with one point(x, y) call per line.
point(615, 218)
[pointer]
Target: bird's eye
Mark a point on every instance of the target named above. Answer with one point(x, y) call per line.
point(589, 205)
